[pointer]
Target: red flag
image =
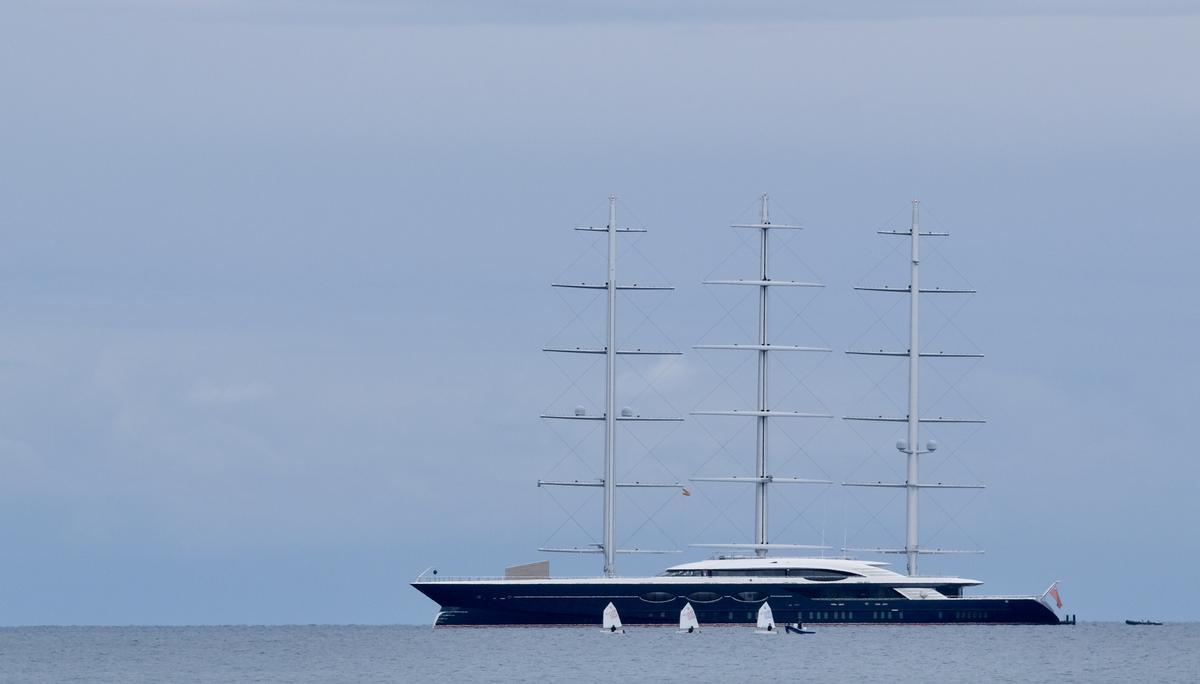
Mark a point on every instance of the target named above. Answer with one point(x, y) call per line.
point(685, 491)
point(1053, 591)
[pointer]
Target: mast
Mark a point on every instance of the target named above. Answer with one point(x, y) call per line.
point(608, 482)
point(610, 396)
point(762, 411)
point(760, 451)
point(911, 446)
point(914, 422)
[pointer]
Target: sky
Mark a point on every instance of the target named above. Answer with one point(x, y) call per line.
point(274, 286)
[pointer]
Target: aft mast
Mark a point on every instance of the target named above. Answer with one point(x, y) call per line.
point(609, 484)
point(911, 446)
point(760, 431)
point(610, 397)
point(762, 411)
point(911, 529)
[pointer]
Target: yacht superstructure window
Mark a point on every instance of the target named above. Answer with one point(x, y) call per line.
point(812, 574)
point(751, 572)
point(819, 575)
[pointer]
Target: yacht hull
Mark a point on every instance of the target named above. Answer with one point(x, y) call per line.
point(495, 603)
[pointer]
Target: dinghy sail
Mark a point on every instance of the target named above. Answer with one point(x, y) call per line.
point(612, 621)
point(766, 620)
point(687, 620)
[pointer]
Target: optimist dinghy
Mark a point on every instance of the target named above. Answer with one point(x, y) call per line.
point(688, 624)
point(766, 620)
point(612, 621)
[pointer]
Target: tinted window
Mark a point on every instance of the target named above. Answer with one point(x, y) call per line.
point(816, 575)
point(758, 572)
point(751, 596)
point(658, 596)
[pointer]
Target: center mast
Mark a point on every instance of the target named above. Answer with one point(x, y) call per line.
point(762, 412)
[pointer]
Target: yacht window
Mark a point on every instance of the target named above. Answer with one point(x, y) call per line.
point(658, 597)
point(818, 575)
point(750, 596)
point(751, 572)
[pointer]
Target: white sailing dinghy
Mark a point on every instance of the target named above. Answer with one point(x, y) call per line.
point(612, 621)
point(766, 620)
point(688, 624)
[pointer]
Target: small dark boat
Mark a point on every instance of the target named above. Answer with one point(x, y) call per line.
point(1142, 622)
point(797, 629)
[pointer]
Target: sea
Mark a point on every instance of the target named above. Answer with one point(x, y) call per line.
point(1087, 652)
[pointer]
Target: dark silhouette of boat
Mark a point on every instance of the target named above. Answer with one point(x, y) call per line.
point(1142, 622)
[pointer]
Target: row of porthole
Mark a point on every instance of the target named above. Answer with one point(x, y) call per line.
point(848, 615)
point(702, 597)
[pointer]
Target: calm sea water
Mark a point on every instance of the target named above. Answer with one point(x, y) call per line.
point(1091, 652)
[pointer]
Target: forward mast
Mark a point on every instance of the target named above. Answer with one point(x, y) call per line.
point(608, 545)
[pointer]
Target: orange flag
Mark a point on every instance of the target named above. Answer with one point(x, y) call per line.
point(1053, 591)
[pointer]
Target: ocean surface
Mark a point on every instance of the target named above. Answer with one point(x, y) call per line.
point(1088, 652)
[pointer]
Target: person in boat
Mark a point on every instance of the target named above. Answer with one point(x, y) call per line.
point(691, 629)
point(613, 628)
point(770, 627)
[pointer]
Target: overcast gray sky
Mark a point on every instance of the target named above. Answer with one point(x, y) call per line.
point(274, 282)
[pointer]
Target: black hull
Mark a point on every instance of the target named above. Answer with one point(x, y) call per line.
point(492, 604)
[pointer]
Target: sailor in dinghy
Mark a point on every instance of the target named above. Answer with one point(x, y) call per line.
point(612, 621)
point(688, 624)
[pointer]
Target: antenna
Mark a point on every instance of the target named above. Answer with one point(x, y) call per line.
point(608, 545)
point(762, 411)
point(911, 447)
